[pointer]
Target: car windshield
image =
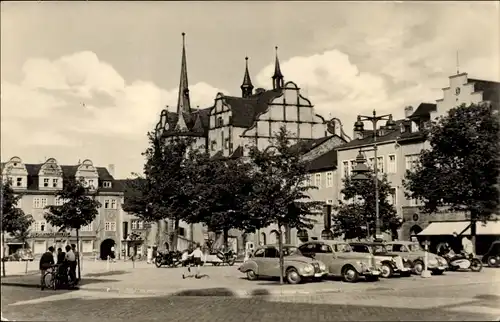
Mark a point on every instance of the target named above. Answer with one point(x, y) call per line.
point(344, 248)
point(415, 247)
point(290, 250)
point(379, 249)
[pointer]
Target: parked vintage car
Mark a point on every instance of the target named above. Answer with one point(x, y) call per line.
point(341, 260)
point(389, 264)
point(265, 262)
point(492, 256)
point(412, 251)
point(20, 255)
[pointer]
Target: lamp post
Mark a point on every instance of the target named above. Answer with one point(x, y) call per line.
point(359, 126)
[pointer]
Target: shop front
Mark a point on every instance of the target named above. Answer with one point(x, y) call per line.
point(41, 241)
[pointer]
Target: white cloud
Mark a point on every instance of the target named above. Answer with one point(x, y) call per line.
point(75, 97)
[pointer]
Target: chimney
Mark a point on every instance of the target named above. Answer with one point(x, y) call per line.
point(111, 169)
point(408, 111)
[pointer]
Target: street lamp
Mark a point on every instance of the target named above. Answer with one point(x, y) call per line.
point(359, 169)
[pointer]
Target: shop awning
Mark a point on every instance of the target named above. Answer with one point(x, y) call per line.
point(444, 228)
point(488, 228)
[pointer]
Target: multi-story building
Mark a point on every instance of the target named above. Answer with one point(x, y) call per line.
point(232, 124)
point(399, 150)
point(37, 184)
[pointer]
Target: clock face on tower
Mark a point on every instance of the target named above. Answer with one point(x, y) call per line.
point(457, 91)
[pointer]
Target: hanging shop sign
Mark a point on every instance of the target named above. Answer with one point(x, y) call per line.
point(45, 234)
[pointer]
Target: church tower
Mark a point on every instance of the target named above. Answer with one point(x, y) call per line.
point(246, 87)
point(183, 103)
point(278, 80)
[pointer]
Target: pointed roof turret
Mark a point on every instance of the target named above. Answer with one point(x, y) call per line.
point(183, 103)
point(278, 76)
point(246, 87)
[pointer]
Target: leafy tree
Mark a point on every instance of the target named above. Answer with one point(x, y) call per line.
point(166, 190)
point(279, 195)
point(222, 188)
point(357, 210)
point(460, 171)
point(79, 209)
point(14, 221)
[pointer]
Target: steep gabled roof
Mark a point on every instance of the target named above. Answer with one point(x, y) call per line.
point(324, 162)
point(490, 89)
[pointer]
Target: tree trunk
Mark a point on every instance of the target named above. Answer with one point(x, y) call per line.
point(225, 233)
point(175, 234)
point(78, 252)
point(3, 254)
point(26, 267)
point(473, 226)
point(280, 249)
point(191, 234)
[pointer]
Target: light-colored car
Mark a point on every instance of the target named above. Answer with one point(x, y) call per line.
point(341, 260)
point(265, 262)
point(414, 252)
point(389, 264)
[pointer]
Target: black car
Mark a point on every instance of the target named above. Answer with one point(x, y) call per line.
point(492, 256)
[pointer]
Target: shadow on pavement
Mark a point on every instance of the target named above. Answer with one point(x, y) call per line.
point(219, 291)
point(110, 273)
point(34, 283)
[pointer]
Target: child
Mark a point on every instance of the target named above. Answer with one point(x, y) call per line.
point(197, 255)
point(185, 262)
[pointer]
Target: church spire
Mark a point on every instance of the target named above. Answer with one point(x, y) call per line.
point(246, 87)
point(183, 104)
point(278, 81)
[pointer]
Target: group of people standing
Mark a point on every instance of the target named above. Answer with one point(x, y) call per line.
point(65, 261)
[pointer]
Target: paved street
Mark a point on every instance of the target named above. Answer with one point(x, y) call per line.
point(454, 296)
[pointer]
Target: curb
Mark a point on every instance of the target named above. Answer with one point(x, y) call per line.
point(220, 292)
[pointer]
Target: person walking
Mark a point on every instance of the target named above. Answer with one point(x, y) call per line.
point(197, 256)
point(71, 259)
point(112, 254)
point(46, 261)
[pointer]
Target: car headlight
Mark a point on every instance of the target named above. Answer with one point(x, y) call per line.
point(308, 269)
point(322, 266)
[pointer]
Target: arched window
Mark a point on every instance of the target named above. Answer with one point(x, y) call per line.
point(327, 235)
point(274, 237)
point(302, 235)
point(415, 230)
point(220, 122)
point(263, 238)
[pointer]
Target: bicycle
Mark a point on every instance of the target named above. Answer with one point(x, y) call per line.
point(54, 278)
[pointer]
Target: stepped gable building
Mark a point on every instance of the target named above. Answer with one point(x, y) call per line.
point(227, 127)
point(37, 183)
point(233, 123)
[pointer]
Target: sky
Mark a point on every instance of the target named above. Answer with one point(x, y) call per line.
point(88, 80)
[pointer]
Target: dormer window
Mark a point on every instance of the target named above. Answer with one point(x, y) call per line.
point(91, 184)
point(19, 182)
point(106, 184)
point(45, 182)
point(54, 183)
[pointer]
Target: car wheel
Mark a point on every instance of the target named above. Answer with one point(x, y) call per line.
point(292, 276)
point(372, 278)
point(418, 267)
point(476, 265)
point(251, 275)
point(350, 274)
point(387, 271)
point(492, 261)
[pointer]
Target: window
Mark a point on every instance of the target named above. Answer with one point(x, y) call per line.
point(371, 163)
point(43, 202)
point(380, 164)
point(40, 226)
point(110, 226)
point(213, 145)
point(182, 231)
point(39, 203)
point(352, 165)
point(329, 202)
point(91, 184)
point(58, 201)
point(45, 182)
point(360, 249)
point(133, 224)
point(113, 204)
point(140, 225)
point(54, 183)
point(106, 204)
point(345, 169)
point(106, 184)
point(325, 249)
point(391, 164)
point(226, 143)
point(329, 179)
point(393, 196)
point(86, 228)
point(271, 252)
point(413, 202)
point(220, 122)
point(259, 252)
point(222, 140)
point(317, 180)
point(411, 161)
point(19, 181)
